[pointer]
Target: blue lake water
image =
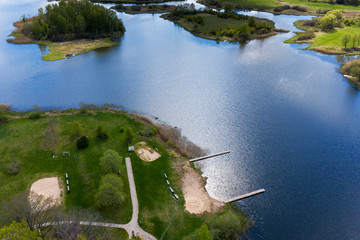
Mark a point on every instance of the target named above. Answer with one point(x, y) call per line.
point(290, 120)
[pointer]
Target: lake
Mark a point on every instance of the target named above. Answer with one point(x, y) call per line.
point(290, 120)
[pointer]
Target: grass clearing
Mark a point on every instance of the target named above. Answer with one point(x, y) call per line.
point(62, 50)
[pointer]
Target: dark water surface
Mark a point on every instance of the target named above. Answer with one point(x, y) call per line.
point(289, 118)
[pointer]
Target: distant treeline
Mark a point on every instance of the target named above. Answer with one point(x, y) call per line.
point(74, 20)
point(343, 2)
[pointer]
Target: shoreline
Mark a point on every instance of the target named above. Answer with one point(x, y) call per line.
point(61, 50)
point(194, 198)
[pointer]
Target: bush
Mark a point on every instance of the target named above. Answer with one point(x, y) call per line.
point(82, 142)
point(298, 8)
point(14, 167)
point(36, 112)
point(228, 226)
point(306, 35)
point(355, 72)
point(101, 134)
point(110, 191)
point(77, 129)
point(111, 161)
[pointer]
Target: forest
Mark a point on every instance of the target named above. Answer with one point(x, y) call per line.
point(73, 19)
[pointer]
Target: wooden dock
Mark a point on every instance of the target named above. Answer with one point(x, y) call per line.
point(245, 196)
point(209, 156)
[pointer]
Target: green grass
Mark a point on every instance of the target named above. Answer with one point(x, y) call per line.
point(25, 139)
point(32, 143)
point(313, 6)
point(334, 39)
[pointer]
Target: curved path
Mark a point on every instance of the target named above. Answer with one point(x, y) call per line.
point(131, 227)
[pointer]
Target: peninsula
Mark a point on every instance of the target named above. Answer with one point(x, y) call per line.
point(334, 33)
point(69, 28)
point(84, 154)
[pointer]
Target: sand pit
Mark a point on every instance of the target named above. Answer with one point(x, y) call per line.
point(49, 188)
point(197, 200)
point(145, 152)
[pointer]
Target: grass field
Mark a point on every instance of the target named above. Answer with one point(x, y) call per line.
point(62, 50)
point(33, 143)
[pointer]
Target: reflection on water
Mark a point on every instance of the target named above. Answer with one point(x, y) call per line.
point(288, 117)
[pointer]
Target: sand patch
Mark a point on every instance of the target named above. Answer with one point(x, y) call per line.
point(49, 188)
point(197, 200)
point(145, 152)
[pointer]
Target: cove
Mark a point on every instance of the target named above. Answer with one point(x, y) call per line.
point(290, 120)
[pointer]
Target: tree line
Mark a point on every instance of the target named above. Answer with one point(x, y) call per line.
point(75, 19)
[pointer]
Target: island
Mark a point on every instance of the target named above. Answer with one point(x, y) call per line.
point(69, 28)
point(220, 26)
point(87, 167)
point(334, 33)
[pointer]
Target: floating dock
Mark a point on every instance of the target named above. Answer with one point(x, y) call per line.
point(245, 196)
point(209, 156)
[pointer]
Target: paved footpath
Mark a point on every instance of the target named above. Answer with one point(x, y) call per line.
point(131, 227)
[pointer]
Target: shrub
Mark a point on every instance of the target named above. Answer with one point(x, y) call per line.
point(355, 72)
point(111, 161)
point(110, 191)
point(36, 112)
point(82, 142)
point(14, 167)
point(101, 134)
point(306, 35)
point(77, 129)
point(298, 8)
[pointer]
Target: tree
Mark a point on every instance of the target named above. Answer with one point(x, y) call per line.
point(33, 208)
point(111, 161)
point(77, 129)
point(36, 112)
point(18, 231)
point(101, 134)
point(228, 226)
point(345, 39)
point(354, 39)
point(129, 135)
point(328, 22)
point(110, 191)
point(82, 142)
point(203, 233)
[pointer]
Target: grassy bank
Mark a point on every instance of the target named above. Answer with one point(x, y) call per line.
point(328, 42)
point(139, 9)
point(227, 26)
point(33, 142)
